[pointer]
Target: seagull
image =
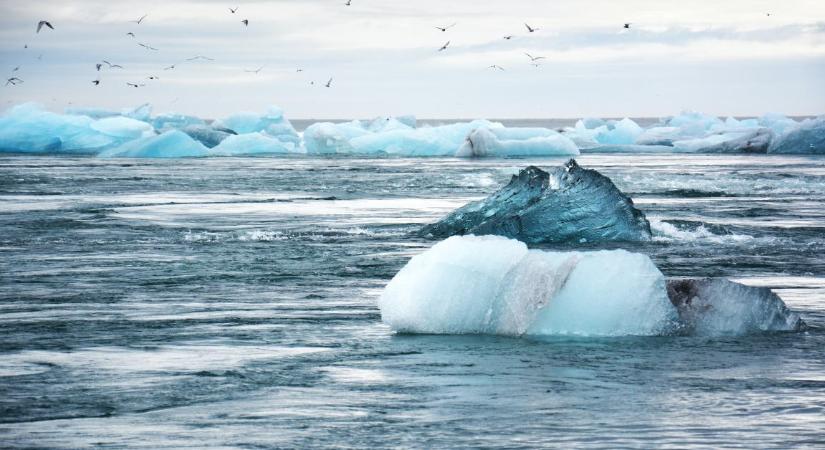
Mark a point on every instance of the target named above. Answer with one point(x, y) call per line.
point(199, 57)
point(112, 66)
point(135, 85)
point(494, 66)
point(534, 58)
point(444, 47)
point(508, 37)
point(169, 67)
point(96, 82)
point(14, 81)
point(443, 29)
point(130, 34)
point(42, 23)
point(627, 25)
point(245, 22)
point(233, 11)
point(254, 71)
point(348, 3)
point(152, 77)
point(531, 29)
point(329, 83)
point(15, 69)
point(299, 70)
point(98, 66)
point(147, 47)
point(140, 20)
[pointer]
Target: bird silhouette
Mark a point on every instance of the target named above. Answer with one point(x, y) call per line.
point(534, 58)
point(508, 37)
point(254, 71)
point(245, 22)
point(443, 29)
point(96, 82)
point(329, 83)
point(199, 57)
point(14, 81)
point(444, 47)
point(627, 25)
point(348, 3)
point(233, 11)
point(43, 23)
point(130, 34)
point(169, 67)
point(531, 29)
point(152, 77)
point(147, 47)
point(141, 19)
point(112, 66)
point(98, 66)
point(495, 66)
point(135, 85)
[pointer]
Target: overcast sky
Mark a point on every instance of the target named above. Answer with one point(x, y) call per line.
point(722, 57)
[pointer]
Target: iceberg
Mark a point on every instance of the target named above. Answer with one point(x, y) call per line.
point(249, 144)
point(495, 285)
point(94, 113)
point(745, 141)
point(569, 204)
point(123, 128)
point(206, 135)
point(807, 137)
point(171, 144)
point(721, 307)
point(595, 132)
point(168, 121)
point(28, 128)
point(272, 123)
point(504, 142)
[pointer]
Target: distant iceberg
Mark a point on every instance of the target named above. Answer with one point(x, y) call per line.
point(28, 128)
point(171, 144)
point(495, 285)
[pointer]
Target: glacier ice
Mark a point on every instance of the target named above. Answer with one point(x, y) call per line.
point(249, 144)
point(743, 141)
point(171, 144)
point(123, 128)
point(592, 132)
point(207, 135)
point(272, 123)
point(167, 121)
point(805, 137)
point(516, 142)
point(569, 204)
point(722, 307)
point(495, 285)
point(28, 128)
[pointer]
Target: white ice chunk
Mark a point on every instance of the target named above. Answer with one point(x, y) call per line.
point(490, 284)
point(516, 142)
point(123, 128)
point(807, 137)
point(272, 123)
point(250, 144)
point(30, 129)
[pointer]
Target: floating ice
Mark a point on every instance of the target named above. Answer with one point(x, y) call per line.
point(744, 141)
point(272, 123)
point(516, 142)
point(206, 135)
point(168, 121)
point(123, 128)
point(249, 144)
point(722, 307)
point(495, 285)
point(569, 204)
point(595, 132)
point(28, 128)
point(805, 137)
point(171, 144)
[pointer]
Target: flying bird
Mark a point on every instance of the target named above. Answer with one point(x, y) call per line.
point(152, 77)
point(130, 34)
point(443, 29)
point(169, 67)
point(147, 47)
point(495, 66)
point(329, 83)
point(199, 57)
point(254, 71)
point(112, 66)
point(96, 82)
point(42, 23)
point(98, 66)
point(299, 70)
point(233, 11)
point(14, 81)
point(135, 85)
point(627, 25)
point(348, 3)
point(534, 58)
point(444, 47)
point(531, 29)
point(245, 22)
point(508, 37)
point(15, 69)
point(140, 20)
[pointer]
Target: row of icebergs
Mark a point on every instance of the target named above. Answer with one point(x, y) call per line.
point(136, 133)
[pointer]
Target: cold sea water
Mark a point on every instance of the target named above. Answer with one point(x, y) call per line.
point(231, 303)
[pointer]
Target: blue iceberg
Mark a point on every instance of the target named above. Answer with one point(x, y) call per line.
point(807, 137)
point(251, 144)
point(171, 144)
point(272, 123)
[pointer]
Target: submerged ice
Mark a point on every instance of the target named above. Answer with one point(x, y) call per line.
point(495, 285)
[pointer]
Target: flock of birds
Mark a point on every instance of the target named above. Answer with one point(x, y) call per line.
point(15, 80)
